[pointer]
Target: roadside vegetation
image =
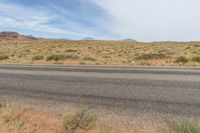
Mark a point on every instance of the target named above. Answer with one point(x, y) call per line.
point(81, 120)
point(184, 126)
point(3, 57)
point(77, 121)
point(100, 53)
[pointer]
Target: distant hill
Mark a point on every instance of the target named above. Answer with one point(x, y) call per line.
point(88, 38)
point(8, 35)
point(130, 40)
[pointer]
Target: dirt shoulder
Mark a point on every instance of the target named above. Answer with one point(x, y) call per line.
point(32, 116)
point(28, 116)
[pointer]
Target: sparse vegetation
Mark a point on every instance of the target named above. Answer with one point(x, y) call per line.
point(83, 119)
point(99, 52)
point(4, 57)
point(55, 57)
point(151, 56)
point(72, 57)
point(58, 57)
point(105, 129)
point(80, 121)
point(196, 59)
point(88, 58)
point(182, 59)
point(8, 116)
point(71, 50)
point(37, 57)
point(186, 127)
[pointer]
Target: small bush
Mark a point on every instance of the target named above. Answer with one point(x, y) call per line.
point(71, 56)
point(186, 127)
point(82, 119)
point(8, 116)
point(57, 57)
point(182, 59)
point(196, 59)
point(70, 50)
point(37, 57)
point(87, 58)
point(4, 57)
point(150, 56)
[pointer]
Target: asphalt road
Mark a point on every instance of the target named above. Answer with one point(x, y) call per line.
point(164, 90)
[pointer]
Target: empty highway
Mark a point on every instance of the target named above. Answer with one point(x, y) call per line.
point(164, 90)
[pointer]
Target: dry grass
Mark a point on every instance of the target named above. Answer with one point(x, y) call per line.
point(81, 121)
point(186, 126)
point(100, 53)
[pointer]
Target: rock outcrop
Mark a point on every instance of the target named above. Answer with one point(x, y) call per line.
point(7, 35)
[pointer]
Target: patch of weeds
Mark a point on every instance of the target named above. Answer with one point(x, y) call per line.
point(105, 129)
point(186, 127)
point(196, 59)
point(37, 57)
point(82, 62)
point(151, 56)
point(88, 58)
point(82, 119)
point(182, 59)
point(72, 56)
point(70, 50)
point(57, 57)
point(4, 57)
point(145, 63)
point(8, 116)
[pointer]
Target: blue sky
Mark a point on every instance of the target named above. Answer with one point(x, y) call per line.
point(143, 20)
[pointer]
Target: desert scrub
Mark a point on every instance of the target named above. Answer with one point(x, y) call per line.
point(105, 129)
point(57, 57)
point(151, 56)
point(186, 127)
point(82, 119)
point(4, 57)
point(10, 117)
point(37, 57)
point(88, 58)
point(182, 59)
point(196, 59)
point(71, 50)
point(72, 56)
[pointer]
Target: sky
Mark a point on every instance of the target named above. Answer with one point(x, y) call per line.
point(142, 20)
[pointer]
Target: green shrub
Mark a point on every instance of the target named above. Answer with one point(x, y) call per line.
point(70, 50)
point(196, 59)
point(151, 56)
point(182, 59)
point(57, 57)
point(8, 116)
point(4, 57)
point(88, 58)
point(105, 129)
point(37, 57)
point(186, 127)
point(82, 119)
point(72, 56)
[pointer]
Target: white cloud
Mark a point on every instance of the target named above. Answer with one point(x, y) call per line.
point(150, 20)
point(21, 17)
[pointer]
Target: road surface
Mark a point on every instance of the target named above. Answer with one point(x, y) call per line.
point(164, 90)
